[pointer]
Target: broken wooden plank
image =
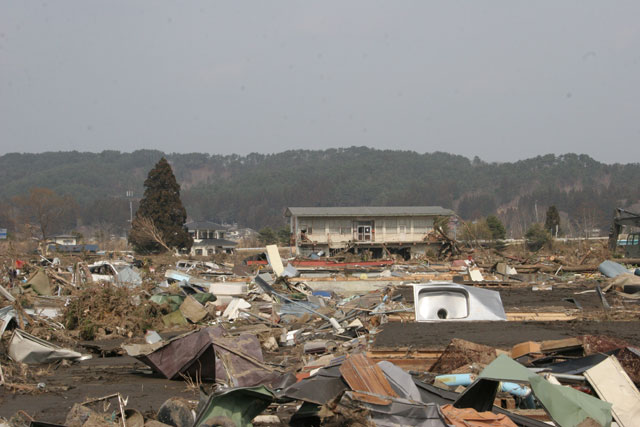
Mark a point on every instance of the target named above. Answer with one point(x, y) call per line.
point(5, 293)
point(406, 359)
point(539, 316)
point(515, 316)
point(557, 345)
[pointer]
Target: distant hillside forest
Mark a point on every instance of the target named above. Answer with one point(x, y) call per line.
point(254, 190)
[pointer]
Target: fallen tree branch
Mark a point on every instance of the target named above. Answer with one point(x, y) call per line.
point(148, 229)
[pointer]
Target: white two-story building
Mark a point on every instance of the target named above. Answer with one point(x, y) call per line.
point(401, 230)
point(209, 238)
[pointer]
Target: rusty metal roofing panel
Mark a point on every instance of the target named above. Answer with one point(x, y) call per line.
point(364, 375)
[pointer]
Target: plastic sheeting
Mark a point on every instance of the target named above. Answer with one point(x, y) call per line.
point(612, 269)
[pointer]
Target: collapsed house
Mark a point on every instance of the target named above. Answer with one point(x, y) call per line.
point(403, 230)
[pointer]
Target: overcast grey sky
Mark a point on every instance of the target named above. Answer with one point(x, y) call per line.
point(504, 80)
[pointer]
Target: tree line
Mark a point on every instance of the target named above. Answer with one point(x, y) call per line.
point(254, 190)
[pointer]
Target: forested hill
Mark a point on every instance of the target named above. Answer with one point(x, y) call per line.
point(253, 190)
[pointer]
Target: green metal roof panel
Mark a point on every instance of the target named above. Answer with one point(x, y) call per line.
point(567, 406)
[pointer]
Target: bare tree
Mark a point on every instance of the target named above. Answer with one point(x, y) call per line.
point(43, 209)
point(587, 221)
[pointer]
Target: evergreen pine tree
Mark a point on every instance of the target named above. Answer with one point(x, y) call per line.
point(498, 231)
point(552, 221)
point(159, 221)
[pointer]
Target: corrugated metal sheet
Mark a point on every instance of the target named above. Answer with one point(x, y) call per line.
point(369, 211)
point(363, 375)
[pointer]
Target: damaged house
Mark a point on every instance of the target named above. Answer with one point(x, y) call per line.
point(70, 244)
point(209, 238)
point(403, 230)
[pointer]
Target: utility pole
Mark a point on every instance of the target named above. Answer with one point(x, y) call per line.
point(130, 197)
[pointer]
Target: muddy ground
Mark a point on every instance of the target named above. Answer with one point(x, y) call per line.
point(506, 334)
point(498, 334)
point(66, 385)
point(524, 298)
point(98, 377)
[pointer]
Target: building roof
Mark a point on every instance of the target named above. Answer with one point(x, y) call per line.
point(73, 248)
point(360, 211)
point(215, 242)
point(204, 225)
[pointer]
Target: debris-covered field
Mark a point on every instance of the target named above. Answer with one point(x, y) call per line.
point(511, 337)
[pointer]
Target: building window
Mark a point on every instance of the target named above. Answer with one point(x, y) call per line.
point(333, 227)
point(210, 251)
point(198, 251)
point(365, 229)
point(420, 226)
point(391, 226)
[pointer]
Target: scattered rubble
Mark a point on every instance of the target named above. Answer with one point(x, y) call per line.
point(273, 341)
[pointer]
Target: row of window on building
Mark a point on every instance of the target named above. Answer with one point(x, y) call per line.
point(346, 227)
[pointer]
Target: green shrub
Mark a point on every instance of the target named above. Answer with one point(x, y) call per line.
point(536, 237)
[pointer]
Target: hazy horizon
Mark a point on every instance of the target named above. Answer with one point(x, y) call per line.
point(169, 153)
point(502, 80)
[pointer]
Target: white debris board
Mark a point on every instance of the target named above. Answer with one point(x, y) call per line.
point(613, 385)
point(273, 256)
